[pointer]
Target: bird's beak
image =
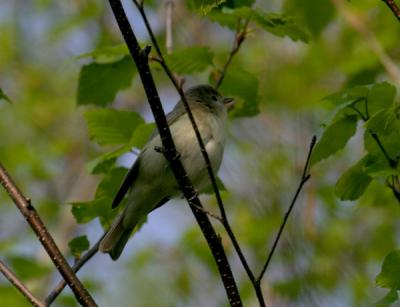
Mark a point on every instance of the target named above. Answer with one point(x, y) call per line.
point(228, 102)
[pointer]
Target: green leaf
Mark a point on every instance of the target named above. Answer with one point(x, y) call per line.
point(112, 127)
point(111, 183)
point(141, 135)
point(348, 95)
point(314, 14)
point(84, 212)
point(204, 6)
point(380, 97)
point(388, 299)
point(377, 166)
point(390, 143)
point(99, 83)
point(280, 25)
point(353, 182)
point(230, 17)
point(78, 245)
point(100, 206)
point(28, 268)
point(334, 138)
point(244, 87)
point(4, 96)
point(389, 277)
point(107, 54)
point(189, 60)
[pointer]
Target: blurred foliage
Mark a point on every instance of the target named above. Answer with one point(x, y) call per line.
point(77, 115)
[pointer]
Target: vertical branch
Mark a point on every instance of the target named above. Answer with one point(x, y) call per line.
point(304, 178)
point(19, 285)
point(36, 223)
point(140, 56)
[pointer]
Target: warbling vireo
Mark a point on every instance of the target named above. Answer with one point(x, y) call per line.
point(150, 183)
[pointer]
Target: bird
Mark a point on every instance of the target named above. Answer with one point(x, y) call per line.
point(150, 182)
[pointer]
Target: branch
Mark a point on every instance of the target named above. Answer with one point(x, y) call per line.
point(19, 285)
point(393, 7)
point(140, 56)
point(36, 223)
point(304, 178)
point(223, 219)
point(240, 36)
point(78, 264)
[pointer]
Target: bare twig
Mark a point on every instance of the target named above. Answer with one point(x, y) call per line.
point(304, 178)
point(140, 57)
point(36, 223)
point(168, 25)
point(240, 36)
point(78, 264)
point(178, 87)
point(19, 285)
point(393, 7)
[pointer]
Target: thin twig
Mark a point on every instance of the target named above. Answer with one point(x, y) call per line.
point(304, 178)
point(240, 36)
point(393, 7)
point(78, 264)
point(168, 25)
point(140, 56)
point(19, 285)
point(223, 218)
point(36, 223)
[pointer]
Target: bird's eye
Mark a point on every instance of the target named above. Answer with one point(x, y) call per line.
point(213, 97)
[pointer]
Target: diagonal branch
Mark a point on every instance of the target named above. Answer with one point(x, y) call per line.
point(304, 178)
point(240, 36)
point(393, 7)
point(19, 285)
point(140, 56)
point(36, 223)
point(78, 264)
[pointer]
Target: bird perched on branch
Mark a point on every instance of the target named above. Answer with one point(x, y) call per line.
point(150, 182)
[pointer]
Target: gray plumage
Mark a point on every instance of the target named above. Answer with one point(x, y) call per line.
point(150, 183)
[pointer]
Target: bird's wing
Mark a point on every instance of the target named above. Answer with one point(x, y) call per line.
point(127, 183)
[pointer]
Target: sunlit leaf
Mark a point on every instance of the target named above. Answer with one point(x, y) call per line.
point(389, 277)
point(348, 95)
point(99, 83)
point(189, 60)
point(334, 138)
point(107, 54)
point(78, 245)
point(353, 182)
point(141, 135)
point(112, 127)
point(204, 6)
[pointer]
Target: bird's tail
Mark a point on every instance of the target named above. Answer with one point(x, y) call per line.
point(116, 238)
